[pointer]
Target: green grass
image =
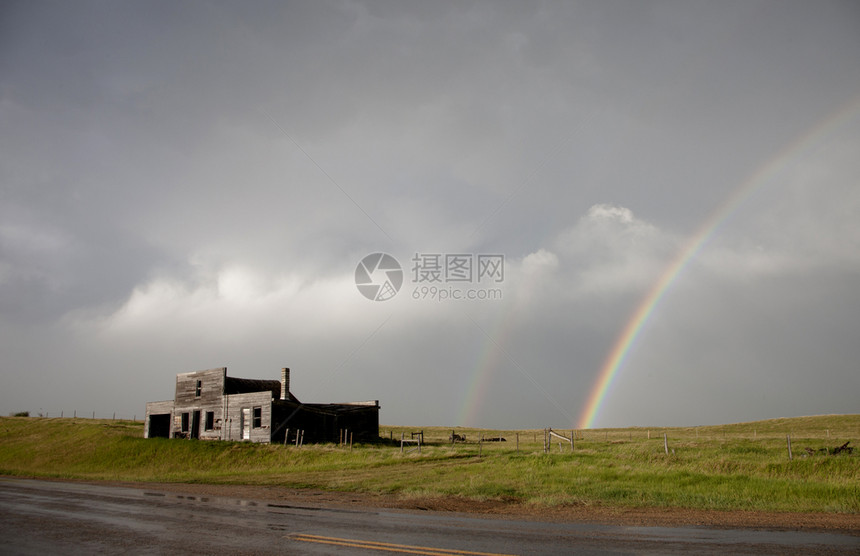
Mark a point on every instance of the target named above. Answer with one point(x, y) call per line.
point(739, 466)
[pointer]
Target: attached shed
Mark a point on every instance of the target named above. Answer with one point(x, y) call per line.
point(159, 420)
point(210, 405)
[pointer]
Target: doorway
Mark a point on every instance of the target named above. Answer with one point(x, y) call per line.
point(246, 424)
point(159, 426)
point(195, 424)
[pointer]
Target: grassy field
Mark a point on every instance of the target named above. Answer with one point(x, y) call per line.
point(740, 466)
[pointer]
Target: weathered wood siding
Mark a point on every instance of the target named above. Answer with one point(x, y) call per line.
point(236, 403)
point(212, 388)
point(210, 399)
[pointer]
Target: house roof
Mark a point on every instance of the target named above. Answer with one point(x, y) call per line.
point(233, 385)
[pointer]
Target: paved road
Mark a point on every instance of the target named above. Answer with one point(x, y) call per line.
point(39, 517)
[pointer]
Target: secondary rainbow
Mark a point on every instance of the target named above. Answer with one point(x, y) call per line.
point(490, 357)
point(632, 330)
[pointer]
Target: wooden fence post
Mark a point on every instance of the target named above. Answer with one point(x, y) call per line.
point(665, 443)
point(788, 440)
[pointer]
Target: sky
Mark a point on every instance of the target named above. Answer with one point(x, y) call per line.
point(190, 185)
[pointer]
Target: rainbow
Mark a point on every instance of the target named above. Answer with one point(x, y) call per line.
point(479, 383)
point(489, 358)
point(622, 347)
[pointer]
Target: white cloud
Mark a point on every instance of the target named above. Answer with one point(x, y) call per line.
point(611, 252)
point(540, 260)
point(611, 213)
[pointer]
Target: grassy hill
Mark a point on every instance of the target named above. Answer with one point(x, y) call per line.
point(736, 466)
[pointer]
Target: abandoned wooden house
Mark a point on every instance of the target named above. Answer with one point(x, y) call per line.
point(209, 405)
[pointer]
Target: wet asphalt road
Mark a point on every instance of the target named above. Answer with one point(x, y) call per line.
point(39, 517)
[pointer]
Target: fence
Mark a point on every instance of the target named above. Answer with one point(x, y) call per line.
point(667, 442)
point(75, 414)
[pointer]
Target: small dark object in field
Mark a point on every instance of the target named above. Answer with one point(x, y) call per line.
point(832, 451)
point(457, 438)
point(844, 448)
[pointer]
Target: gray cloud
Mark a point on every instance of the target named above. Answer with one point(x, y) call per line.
point(188, 186)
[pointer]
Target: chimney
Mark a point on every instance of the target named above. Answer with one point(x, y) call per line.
point(285, 383)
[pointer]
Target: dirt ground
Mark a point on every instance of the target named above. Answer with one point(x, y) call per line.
point(843, 523)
